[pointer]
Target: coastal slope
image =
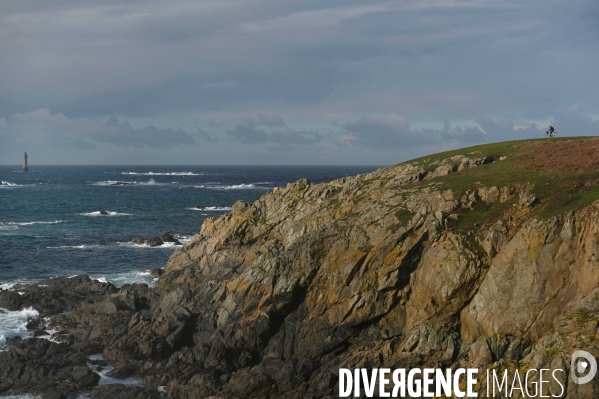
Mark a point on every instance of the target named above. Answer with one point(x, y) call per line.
point(469, 257)
point(484, 257)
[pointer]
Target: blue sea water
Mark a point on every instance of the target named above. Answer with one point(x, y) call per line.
point(50, 221)
point(51, 225)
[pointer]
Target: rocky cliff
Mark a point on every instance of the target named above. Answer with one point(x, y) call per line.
point(485, 257)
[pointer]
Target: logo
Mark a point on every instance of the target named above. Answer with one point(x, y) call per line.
point(582, 362)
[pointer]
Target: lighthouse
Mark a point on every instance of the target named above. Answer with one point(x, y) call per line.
point(25, 167)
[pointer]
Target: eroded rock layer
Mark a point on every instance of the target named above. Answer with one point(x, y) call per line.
point(471, 259)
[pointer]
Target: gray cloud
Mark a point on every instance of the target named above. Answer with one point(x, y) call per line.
point(574, 124)
point(265, 120)
point(204, 135)
point(392, 131)
point(61, 131)
point(248, 133)
point(126, 135)
point(360, 64)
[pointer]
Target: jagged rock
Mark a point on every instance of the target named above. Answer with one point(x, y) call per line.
point(55, 295)
point(527, 197)
point(393, 268)
point(168, 237)
point(121, 391)
point(156, 241)
point(39, 366)
point(156, 272)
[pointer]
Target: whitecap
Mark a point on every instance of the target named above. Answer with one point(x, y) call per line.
point(13, 225)
point(242, 186)
point(83, 246)
point(164, 245)
point(150, 182)
point(131, 277)
point(116, 183)
point(12, 324)
point(211, 208)
point(163, 174)
point(184, 239)
point(108, 213)
point(7, 184)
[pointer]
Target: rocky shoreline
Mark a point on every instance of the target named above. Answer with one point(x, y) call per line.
point(423, 264)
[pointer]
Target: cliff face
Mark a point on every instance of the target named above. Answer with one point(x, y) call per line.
point(419, 263)
point(484, 257)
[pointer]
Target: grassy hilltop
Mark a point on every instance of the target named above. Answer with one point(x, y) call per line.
point(564, 172)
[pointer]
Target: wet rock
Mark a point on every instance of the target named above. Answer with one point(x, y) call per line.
point(156, 272)
point(167, 237)
point(112, 391)
point(387, 269)
point(39, 366)
point(56, 295)
point(38, 333)
point(156, 241)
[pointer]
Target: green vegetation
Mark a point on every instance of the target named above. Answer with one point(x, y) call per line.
point(562, 179)
point(472, 219)
point(404, 216)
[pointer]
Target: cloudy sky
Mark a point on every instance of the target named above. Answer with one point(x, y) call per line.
point(289, 82)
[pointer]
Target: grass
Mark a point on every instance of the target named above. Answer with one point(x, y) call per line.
point(562, 179)
point(471, 219)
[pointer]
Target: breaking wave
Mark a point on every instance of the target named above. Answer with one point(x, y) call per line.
point(132, 277)
point(83, 246)
point(150, 182)
point(16, 225)
point(242, 186)
point(211, 208)
point(163, 174)
point(104, 213)
point(7, 184)
point(12, 324)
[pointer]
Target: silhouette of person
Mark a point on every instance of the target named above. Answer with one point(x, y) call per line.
point(551, 129)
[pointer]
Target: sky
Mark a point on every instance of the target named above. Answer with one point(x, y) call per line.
point(265, 82)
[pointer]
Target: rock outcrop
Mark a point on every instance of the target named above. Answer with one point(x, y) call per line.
point(156, 241)
point(452, 261)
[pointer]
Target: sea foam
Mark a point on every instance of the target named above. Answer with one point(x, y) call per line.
point(109, 213)
point(117, 183)
point(163, 174)
point(7, 184)
point(242, 186)
point(13, 225)
point(12, 324)
point(212, 208)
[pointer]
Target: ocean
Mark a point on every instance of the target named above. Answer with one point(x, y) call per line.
point(52, 224)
